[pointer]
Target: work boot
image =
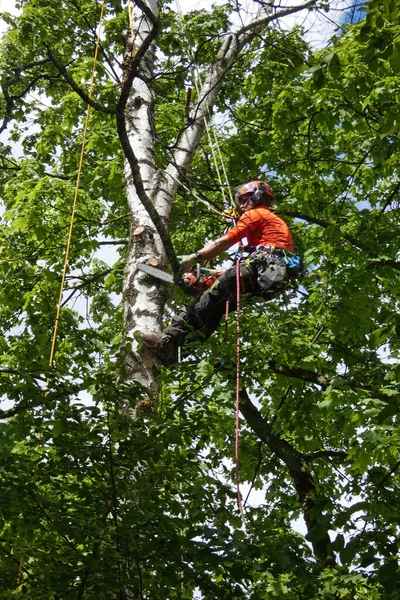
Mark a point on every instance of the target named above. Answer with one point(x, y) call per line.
point(164, 347)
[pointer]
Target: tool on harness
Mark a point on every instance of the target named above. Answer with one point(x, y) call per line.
point(276, 268)
point(272, 272)
point(295, 265)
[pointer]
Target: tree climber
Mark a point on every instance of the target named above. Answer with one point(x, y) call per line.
point(263, 273)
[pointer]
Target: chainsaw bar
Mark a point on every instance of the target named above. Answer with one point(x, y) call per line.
point(154, 272)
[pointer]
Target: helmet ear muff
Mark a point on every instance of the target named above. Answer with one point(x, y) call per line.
point(261, 194)
point(258, 196)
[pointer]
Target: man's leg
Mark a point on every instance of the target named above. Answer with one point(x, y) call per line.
point(202, 317)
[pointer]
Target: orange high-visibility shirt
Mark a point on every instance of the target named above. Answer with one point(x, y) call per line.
point(262, 227)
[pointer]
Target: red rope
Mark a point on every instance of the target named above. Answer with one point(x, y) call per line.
point(239, 495)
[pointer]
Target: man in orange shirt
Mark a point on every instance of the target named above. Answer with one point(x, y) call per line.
point(263, 275)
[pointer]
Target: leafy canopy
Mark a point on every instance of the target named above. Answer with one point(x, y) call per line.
point(92, 502)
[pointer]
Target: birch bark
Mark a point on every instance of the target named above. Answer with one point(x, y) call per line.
point(143, 297)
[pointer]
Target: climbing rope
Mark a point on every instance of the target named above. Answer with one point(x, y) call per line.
point(223, 181)
point(237, 404)
point(211, 136)
point(64, 273)
point(74, 204)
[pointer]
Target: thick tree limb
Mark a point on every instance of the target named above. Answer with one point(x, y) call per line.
point(228, 53)
point(387, 262)
point(327, 454)
point(395, 264)
point(141, 192)
point(299, 468)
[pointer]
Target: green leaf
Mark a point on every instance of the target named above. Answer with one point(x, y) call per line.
point(335, 66)
point(348, 553)
point(317, 532)
point(57, 429)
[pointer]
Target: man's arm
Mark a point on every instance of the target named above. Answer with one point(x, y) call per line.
point(215, 248)
point(206, 253)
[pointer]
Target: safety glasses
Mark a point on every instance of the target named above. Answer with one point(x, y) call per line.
point(245, 198)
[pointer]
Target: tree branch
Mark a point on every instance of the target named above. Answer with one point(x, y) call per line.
point(323, 223)
point(62, 69)
point(340, 455)
point(299, 469)
point(375, 262)
point(10, 371)
point(9, 82)
point(324, 382)
point(259, 23)
point(228, 53)
point(11, 412)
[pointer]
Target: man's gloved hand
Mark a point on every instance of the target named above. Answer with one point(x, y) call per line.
point(186, 261)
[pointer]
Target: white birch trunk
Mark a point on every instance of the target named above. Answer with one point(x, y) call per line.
point(143, 297)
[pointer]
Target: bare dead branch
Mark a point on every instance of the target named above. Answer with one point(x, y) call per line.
point(259, 23)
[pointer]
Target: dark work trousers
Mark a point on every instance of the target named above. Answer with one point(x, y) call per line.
point(204, 314)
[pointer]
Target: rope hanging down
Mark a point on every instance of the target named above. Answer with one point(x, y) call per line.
point(237, 403)
point(74, 204)
point(57, 320)
point(216, 151)
point(210, 130)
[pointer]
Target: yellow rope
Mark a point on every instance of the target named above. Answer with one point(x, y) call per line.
point(56, 324)
point(57, 321)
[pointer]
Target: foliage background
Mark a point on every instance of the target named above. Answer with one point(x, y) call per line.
point(94, 505)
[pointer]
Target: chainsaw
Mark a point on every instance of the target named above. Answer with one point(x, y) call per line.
point(194, 281)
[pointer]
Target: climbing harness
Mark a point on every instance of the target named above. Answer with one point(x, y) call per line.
point(276, 268)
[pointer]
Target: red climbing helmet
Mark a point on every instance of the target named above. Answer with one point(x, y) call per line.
point(258, 191)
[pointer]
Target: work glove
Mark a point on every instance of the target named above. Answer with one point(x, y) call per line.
point(185, 262)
